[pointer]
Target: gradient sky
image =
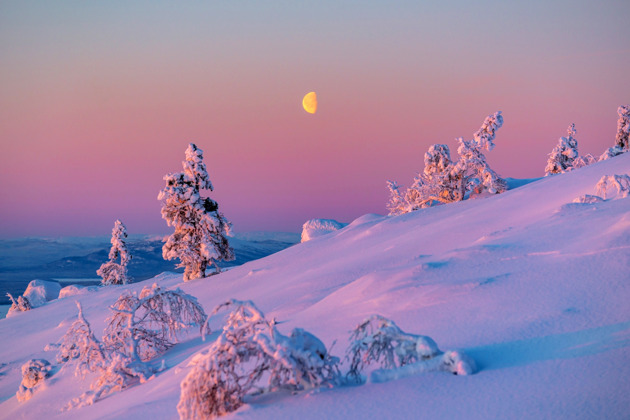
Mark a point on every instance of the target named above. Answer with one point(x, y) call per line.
point(98, 100)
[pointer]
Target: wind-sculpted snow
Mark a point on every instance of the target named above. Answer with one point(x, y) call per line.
point(535, 292)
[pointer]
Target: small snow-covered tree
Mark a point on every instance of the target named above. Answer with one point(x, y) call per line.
point(249, 347)
point(114, 272)
point(623, 128)
point(562, 156)
point(80, 344)
point(201, 231)
point(147, 325)
point(445, 181)
point(20, 304)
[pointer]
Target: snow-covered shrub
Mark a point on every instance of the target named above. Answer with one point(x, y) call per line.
point(588, 199)
point(620, 183)
point(611, 153)
point(623, 128)
point(318, 227)
point(113, 272)
point(21, 304)
point(80, 344)
point(34, 373)
point(453, 362)
point(201, 231)
point(582, 161)
point(249, 348)
point(562, 157)
point(145, 326)
point(446, 181)
point(378, 340)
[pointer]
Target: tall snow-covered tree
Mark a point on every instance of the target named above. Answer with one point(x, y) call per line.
point(623, 127)
point(113, 272)
point(201, 231)
point(563, 156)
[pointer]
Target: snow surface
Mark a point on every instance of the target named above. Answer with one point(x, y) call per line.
point(531, 286)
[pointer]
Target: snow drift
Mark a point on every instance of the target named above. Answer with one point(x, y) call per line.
point(533, 287)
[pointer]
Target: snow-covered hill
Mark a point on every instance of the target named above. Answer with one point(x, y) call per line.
point(534, 287)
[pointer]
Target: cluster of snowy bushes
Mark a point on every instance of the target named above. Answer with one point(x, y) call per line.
point(444, 180)
point(248, 358)
point(140, 328)
point(252, 357)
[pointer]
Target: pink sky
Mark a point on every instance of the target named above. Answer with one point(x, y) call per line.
point(99, 100)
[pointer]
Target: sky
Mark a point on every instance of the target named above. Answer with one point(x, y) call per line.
point(99, 100)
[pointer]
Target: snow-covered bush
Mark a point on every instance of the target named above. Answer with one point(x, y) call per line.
point(21, 304)
point(611, 153)
point(446, 181)
point(140, 328)
point(588, 199)
point(620, 184)
point(113, 272)
point(249, 348)
point(34, 373)
point(318, 227)
point(562, 156)
point(80, 344)
point(378, 340)
point(145, 326)
point(623, 128)
point(582, 161)
point(201, 231)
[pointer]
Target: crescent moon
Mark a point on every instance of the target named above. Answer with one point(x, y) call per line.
point(310, 102)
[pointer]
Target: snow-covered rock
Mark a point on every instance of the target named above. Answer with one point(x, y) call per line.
point(76, 289)
point(318, 227)
point(39, 292)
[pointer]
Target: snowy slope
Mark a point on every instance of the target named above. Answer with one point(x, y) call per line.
point(534, 288)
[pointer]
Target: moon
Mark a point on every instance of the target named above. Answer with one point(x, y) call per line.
point(310, 102)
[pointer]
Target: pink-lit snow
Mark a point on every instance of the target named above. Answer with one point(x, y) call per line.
point(532, 286)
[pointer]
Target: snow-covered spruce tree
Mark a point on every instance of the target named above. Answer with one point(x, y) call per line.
point(378, 340)
point(142, 327)
point(562, 156)
point(113, 272)
point(623, 128)
point(201, 231)
point(248, 348)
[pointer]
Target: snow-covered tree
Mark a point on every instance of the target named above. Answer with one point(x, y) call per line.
point(20, 304)
point(114, 272)
point(249, 347)
point(445, 181)
point(80, 344)
point(563, 156)
point(201, 231)
point(623, 128)
point(142, 327)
